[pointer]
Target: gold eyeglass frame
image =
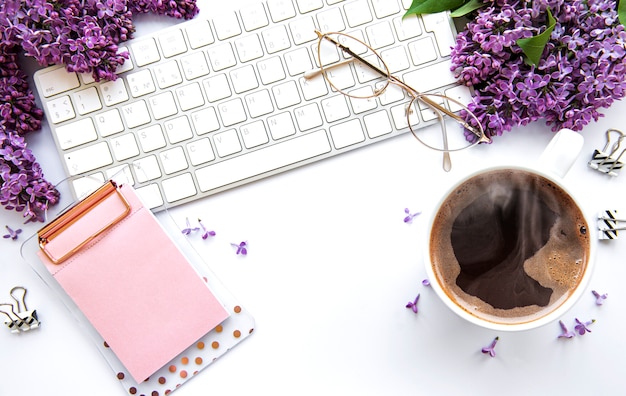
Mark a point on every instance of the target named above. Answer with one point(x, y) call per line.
point(415, 95)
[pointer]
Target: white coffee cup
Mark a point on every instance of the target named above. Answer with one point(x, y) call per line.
point(551, 168)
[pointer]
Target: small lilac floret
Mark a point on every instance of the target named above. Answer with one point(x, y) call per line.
point(188, 230)
point(491, 349)
point(565, 333)
point(410, 216)
point(242, 248)
point(599, 297)
point(582, 328)
point(413, 304)
point(205, 232)
point(426, 282)
point(12, 233)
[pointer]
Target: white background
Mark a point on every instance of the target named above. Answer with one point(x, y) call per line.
point(331, 266)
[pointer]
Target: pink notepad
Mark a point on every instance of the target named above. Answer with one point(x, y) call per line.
point(132, 282)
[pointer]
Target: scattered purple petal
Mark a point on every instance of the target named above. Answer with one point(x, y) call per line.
point(12, 233)
point(491, 349)
point(413, 304)
point(410, 216)
point(565, 333)
point(600, 297)
point(426, 282)
point(242, 248)
point(205, 233)
point(582, 328)
point(188, 230)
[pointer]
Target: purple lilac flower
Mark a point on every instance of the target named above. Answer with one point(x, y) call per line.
point(599, 297)
point(13, 234)
point(413, 304)
point(426, 282)
point(565, 333)
point(84, 36)
point(205, 232)
point(583, 67)
point(491, 348)
point(410, 216)
point(242, 248)
point(188, 228)
point(581, 327)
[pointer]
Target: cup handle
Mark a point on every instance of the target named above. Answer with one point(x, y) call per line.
point(560, 154)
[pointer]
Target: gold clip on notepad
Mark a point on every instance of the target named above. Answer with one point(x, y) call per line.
point(108, 191)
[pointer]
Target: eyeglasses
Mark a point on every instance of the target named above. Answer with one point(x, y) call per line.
point(353, 68)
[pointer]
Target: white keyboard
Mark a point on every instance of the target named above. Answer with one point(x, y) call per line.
point(207, 105)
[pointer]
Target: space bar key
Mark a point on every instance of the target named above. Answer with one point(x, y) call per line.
point(264, 160)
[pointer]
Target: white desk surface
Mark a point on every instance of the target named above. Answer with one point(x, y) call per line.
point(331, 266)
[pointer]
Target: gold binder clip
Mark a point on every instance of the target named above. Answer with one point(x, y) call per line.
point(29, 318)
point(14, 322)
point(606, 162)
point(75, 213)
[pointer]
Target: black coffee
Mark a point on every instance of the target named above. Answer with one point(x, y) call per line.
point(509, 246)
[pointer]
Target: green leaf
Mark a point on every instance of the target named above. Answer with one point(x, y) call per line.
point(621, 11)
point(533, 46)
point(466, 8)
point(432, 6)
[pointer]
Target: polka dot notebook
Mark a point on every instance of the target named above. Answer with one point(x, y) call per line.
point(178, 316)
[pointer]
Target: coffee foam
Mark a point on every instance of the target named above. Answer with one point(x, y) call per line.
point(559, 265)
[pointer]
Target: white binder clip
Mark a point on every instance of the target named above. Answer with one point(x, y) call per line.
point(606, 162)
point(608, 224)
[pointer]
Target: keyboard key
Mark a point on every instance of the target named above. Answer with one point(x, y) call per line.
point(178, 129)
point(124, 146)
point(308, 117)
point(298, 61)
point(205, 121)
point(281, 10)
point(384, 8)
point(136, 114)
point(199, 34)
point(461, 93)
point(231, 112)
point(194, 65)
point(347, 134)
point(271, 70)
point(305, 6)
point(147, 168)
point(303, 30)
point(221, 57)
point(88, 158)
point(151, 138)
point(422, 51)
point(200, 151)
point(189, 96)
point(87, 101)
point(173, 160)
point(380, 35)
point(60, 109)
point(357, 13)
point(331, 20)
point(396, 59)
point(145, 52)
point(439, 25)
point(249, 48)
point(276, 39)
point(264, 160)
point(76, 133)
point(167, 74)
point(179, 187)
point(281, 125)
point(216, 88)
point(253, 16)
point(53, 82)
point(114, 92)
point(121, 175)
point(254, 134)
point(243, 79)
point(286, 94)
point(172, 43)
point(259, 103)
point(377, 124)
point(407, 27)
point(226, 25)
point(335, 108)
point(163, 105)
point(362, 105)
point(140, 83)
point(109, 123)
point(430, 77)
point(227, 143)
point(313, 87)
